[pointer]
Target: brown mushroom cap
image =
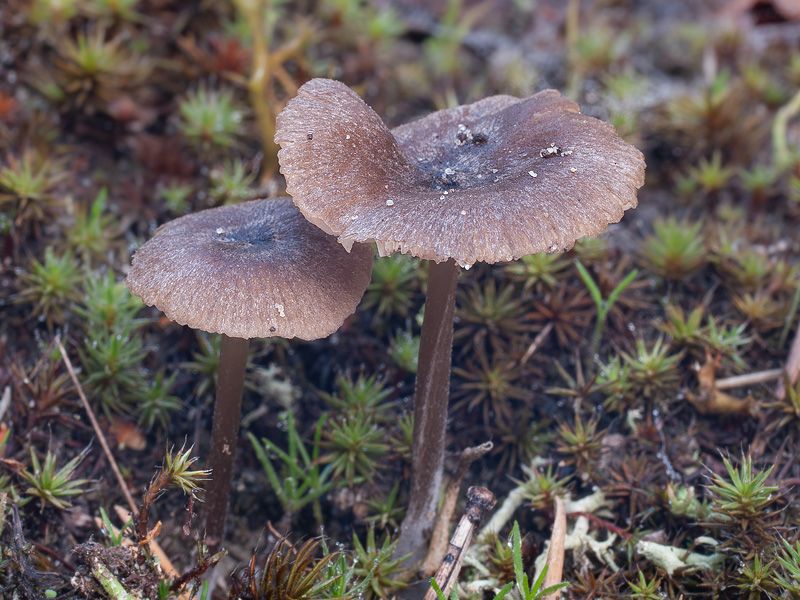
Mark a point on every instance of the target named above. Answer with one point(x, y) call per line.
point(490, 181)
point(255, 269)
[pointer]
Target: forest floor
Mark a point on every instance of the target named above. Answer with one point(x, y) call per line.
point(117, 116)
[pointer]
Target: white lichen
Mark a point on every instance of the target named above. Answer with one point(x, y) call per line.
point(671, 558)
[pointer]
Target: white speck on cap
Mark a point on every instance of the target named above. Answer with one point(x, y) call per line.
point(390, 203)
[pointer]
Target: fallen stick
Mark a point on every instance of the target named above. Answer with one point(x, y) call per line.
point(479, 500)
point(441, 529)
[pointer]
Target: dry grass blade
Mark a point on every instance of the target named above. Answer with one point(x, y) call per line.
point(555, 556)
point(96, 426)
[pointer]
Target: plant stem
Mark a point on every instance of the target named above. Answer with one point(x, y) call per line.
point(110, 584)
point(431, 396)
point(572, 35)
point(224, 433)
point(780, 146)
point(256, 13)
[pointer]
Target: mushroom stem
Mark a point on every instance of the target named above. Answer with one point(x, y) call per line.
point(431, 396)
point(224, 434)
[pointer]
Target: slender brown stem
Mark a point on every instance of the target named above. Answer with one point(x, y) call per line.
point(430, 409)
point(224, 434)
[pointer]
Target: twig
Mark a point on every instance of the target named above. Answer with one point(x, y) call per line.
point(52, 554)
point(537, 341)
point(479, 500)
point(748, 379)
point(555, 556)
point(96, 426)
point(441, 529)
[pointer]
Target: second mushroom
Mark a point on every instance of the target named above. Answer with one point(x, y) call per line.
point(255, 269)
point(491, 181)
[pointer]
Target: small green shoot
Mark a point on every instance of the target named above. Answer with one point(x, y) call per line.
point(527, 591)
point(603, 305)
point(93, 231)
point(50, 287)
point(645, 589)
point(300, 480)
point(52, 485)
point(114, 539)
point(745, 496)
point(675, 248)
point(354, 444)
point(211, 119)
point(378, 564)
point(789, 558)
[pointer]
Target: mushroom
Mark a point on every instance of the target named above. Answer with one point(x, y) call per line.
point(255, 269)
point(490, 181)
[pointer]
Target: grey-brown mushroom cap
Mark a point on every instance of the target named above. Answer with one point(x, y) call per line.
point(490, 181)
point(255, 269)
